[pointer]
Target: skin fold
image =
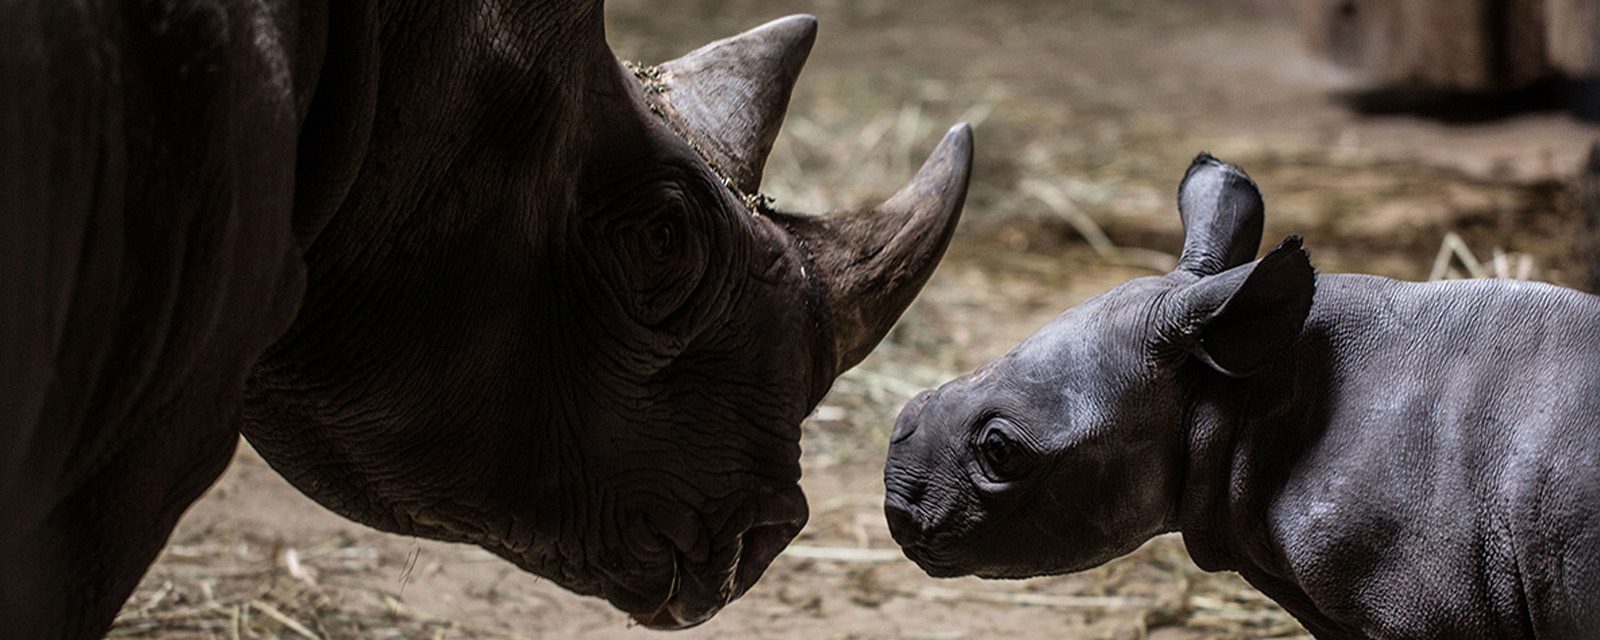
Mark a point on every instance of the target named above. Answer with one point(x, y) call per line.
point(1384, 459)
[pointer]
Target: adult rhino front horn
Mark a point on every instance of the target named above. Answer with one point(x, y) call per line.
point(455, 271)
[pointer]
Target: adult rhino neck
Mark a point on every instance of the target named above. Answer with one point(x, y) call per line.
point(432, 128)
point(377, 69)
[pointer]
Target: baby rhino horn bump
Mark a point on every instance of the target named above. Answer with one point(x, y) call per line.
point(731, 94)
point(1222, 216)
point(872, 263)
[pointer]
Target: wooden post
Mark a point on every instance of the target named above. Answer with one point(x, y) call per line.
point(1460, 45)
point(1574, 36)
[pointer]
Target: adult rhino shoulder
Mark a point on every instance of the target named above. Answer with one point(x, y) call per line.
point(452, 269)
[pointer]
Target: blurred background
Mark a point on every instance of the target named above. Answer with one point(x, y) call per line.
point(1452, 143)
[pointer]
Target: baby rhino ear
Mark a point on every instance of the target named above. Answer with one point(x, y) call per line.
point(1222, 215)
point(1242, 319)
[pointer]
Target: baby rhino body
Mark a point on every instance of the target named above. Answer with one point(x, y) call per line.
point(1425, 464)
point(1384, 459)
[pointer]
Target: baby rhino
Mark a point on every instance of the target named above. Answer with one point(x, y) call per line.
point(1384, 459)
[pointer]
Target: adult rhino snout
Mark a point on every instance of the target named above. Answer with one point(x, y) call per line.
point(759, 546)
point(698, 592)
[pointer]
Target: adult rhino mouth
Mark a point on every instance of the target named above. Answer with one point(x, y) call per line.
point(696, 596)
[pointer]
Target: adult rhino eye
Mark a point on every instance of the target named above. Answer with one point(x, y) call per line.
point(661, 239)
point(654, 258)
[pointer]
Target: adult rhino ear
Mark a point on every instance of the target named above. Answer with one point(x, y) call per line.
point(871, 263)
point(1222, 217)
point(1241, 320)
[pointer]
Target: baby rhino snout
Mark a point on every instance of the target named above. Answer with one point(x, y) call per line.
point(916, 480)
point(903, 526)
point(902, 477)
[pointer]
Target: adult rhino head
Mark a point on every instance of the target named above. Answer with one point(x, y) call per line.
point(547, 313)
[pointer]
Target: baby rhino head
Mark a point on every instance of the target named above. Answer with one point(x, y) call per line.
point(1068, 451)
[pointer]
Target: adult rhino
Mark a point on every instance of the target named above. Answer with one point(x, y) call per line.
point(453, 269)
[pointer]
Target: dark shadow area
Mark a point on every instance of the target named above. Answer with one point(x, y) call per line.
point(1577, 96)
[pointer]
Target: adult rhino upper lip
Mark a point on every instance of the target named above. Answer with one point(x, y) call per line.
point(758, 547)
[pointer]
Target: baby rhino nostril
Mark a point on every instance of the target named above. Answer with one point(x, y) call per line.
point(902, 525)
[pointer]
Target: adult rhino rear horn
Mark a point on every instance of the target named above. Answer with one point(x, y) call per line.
point(729, 96)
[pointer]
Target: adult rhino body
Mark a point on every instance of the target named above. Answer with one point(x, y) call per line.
point(1384, 459)
point(454, 270)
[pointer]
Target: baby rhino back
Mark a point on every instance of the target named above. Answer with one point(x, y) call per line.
point(1454, 485)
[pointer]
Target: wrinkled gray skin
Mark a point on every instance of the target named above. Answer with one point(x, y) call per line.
point(1384, 459)
point(450, 266)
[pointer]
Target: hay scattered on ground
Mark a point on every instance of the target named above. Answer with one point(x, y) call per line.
point(251, 587)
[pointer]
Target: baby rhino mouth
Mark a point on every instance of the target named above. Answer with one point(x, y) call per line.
point(915, 542)
point(696, 596)
point(937, 547)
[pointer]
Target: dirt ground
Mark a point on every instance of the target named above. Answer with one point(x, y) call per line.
point(1086, 113)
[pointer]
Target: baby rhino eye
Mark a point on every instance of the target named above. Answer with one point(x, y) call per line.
point(996, 449)
point(1003, 456)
